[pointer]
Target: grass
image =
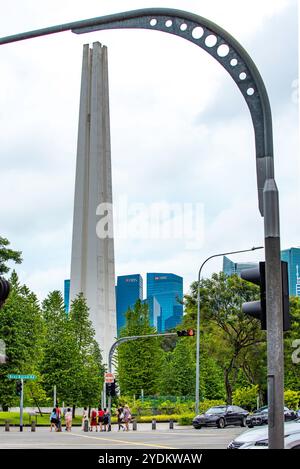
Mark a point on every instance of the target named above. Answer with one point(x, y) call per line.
point(14, 419)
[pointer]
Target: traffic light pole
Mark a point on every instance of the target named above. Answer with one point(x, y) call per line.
point(21, 405)
point(121, 341)
point(274, 313)
point(197, 397)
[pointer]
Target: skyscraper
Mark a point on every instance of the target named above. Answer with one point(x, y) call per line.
point(168, 292)
point(230, 267)
point(93, 263)
point(154, 312)
point(129, 289)
point(292, 257)
point(67, 295)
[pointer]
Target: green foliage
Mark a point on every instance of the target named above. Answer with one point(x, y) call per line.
point(229, 337)
point(246, 397)
point(292, 399)
point(139, 362)
point(21, 328)
point(207, 403)
point(291, 367)
point(6, 255)
point(185, 420)
point(72, 360)
point(179, 370)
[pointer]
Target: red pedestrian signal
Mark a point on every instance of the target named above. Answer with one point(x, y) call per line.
point(186, 332)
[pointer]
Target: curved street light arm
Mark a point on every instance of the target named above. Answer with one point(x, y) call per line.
point(198, 30)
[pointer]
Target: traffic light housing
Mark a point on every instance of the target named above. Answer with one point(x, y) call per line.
point(186, 332)
point(4, 291)
point(110, 389)
point(257, 309)
point(19, 388)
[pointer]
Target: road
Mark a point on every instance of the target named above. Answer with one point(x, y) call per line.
point(143, 438)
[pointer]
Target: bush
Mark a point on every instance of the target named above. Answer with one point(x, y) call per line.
point(186, 419)
point(207, 403)
point(291, 399)
point(246, 397)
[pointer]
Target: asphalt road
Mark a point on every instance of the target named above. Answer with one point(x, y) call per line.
point(143, 438)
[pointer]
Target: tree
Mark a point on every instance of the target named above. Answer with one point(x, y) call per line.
point(21, 328)
point(6, 255)
point(178, 376)
point(91, 367)
point(232, 335)
point(291, 342)
point(61, 363)
point(139, 362)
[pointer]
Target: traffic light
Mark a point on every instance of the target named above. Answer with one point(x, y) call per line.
point(186, 332)
point(4, 291)
point(257, 309)
point(111, 389)
point(19, 388)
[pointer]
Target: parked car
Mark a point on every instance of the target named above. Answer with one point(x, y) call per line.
point(221, 416)
point(257, 438)
point(260, 416)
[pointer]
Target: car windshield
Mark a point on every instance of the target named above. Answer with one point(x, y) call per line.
point(216, 410)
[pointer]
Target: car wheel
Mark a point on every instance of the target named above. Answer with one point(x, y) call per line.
point(250, 425)
point(197, 427)
point(243, 422)
point(221, 423)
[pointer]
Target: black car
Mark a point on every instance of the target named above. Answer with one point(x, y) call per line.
point(260, 416)
point(221, 416)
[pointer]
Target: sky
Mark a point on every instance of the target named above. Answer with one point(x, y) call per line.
point(181, 137)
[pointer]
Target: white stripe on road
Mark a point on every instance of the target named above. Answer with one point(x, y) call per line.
point(126, 442)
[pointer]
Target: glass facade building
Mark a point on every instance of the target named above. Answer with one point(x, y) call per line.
point(167, 289)
point(292, 257)
point(129, 289)
point(231, 268)
point(67, 295)
point(154, 312)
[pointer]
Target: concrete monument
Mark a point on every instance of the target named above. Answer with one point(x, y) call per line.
point(93, 264)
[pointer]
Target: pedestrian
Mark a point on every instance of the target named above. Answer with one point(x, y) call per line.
point(85, 417)
point(120, 417)
point(100, 418)
point(127, 417)
point(58, 418)
point(53, 420)
point(105, 419)
point(68, 419)
point(93, 420)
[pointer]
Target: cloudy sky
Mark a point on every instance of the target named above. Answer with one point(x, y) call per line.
point(181, 134)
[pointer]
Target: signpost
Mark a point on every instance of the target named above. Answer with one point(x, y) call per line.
point(22, 378)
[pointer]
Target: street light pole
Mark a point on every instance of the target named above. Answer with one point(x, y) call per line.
point(121, 341)
point(197, 397)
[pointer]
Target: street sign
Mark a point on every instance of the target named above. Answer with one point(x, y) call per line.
point(21, 376)
point(109, 378)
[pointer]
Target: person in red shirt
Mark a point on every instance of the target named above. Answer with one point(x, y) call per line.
point(58, 418)
point(93, 421)
point(100, 418)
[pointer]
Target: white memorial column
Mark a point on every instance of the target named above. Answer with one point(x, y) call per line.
point(92, 265)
